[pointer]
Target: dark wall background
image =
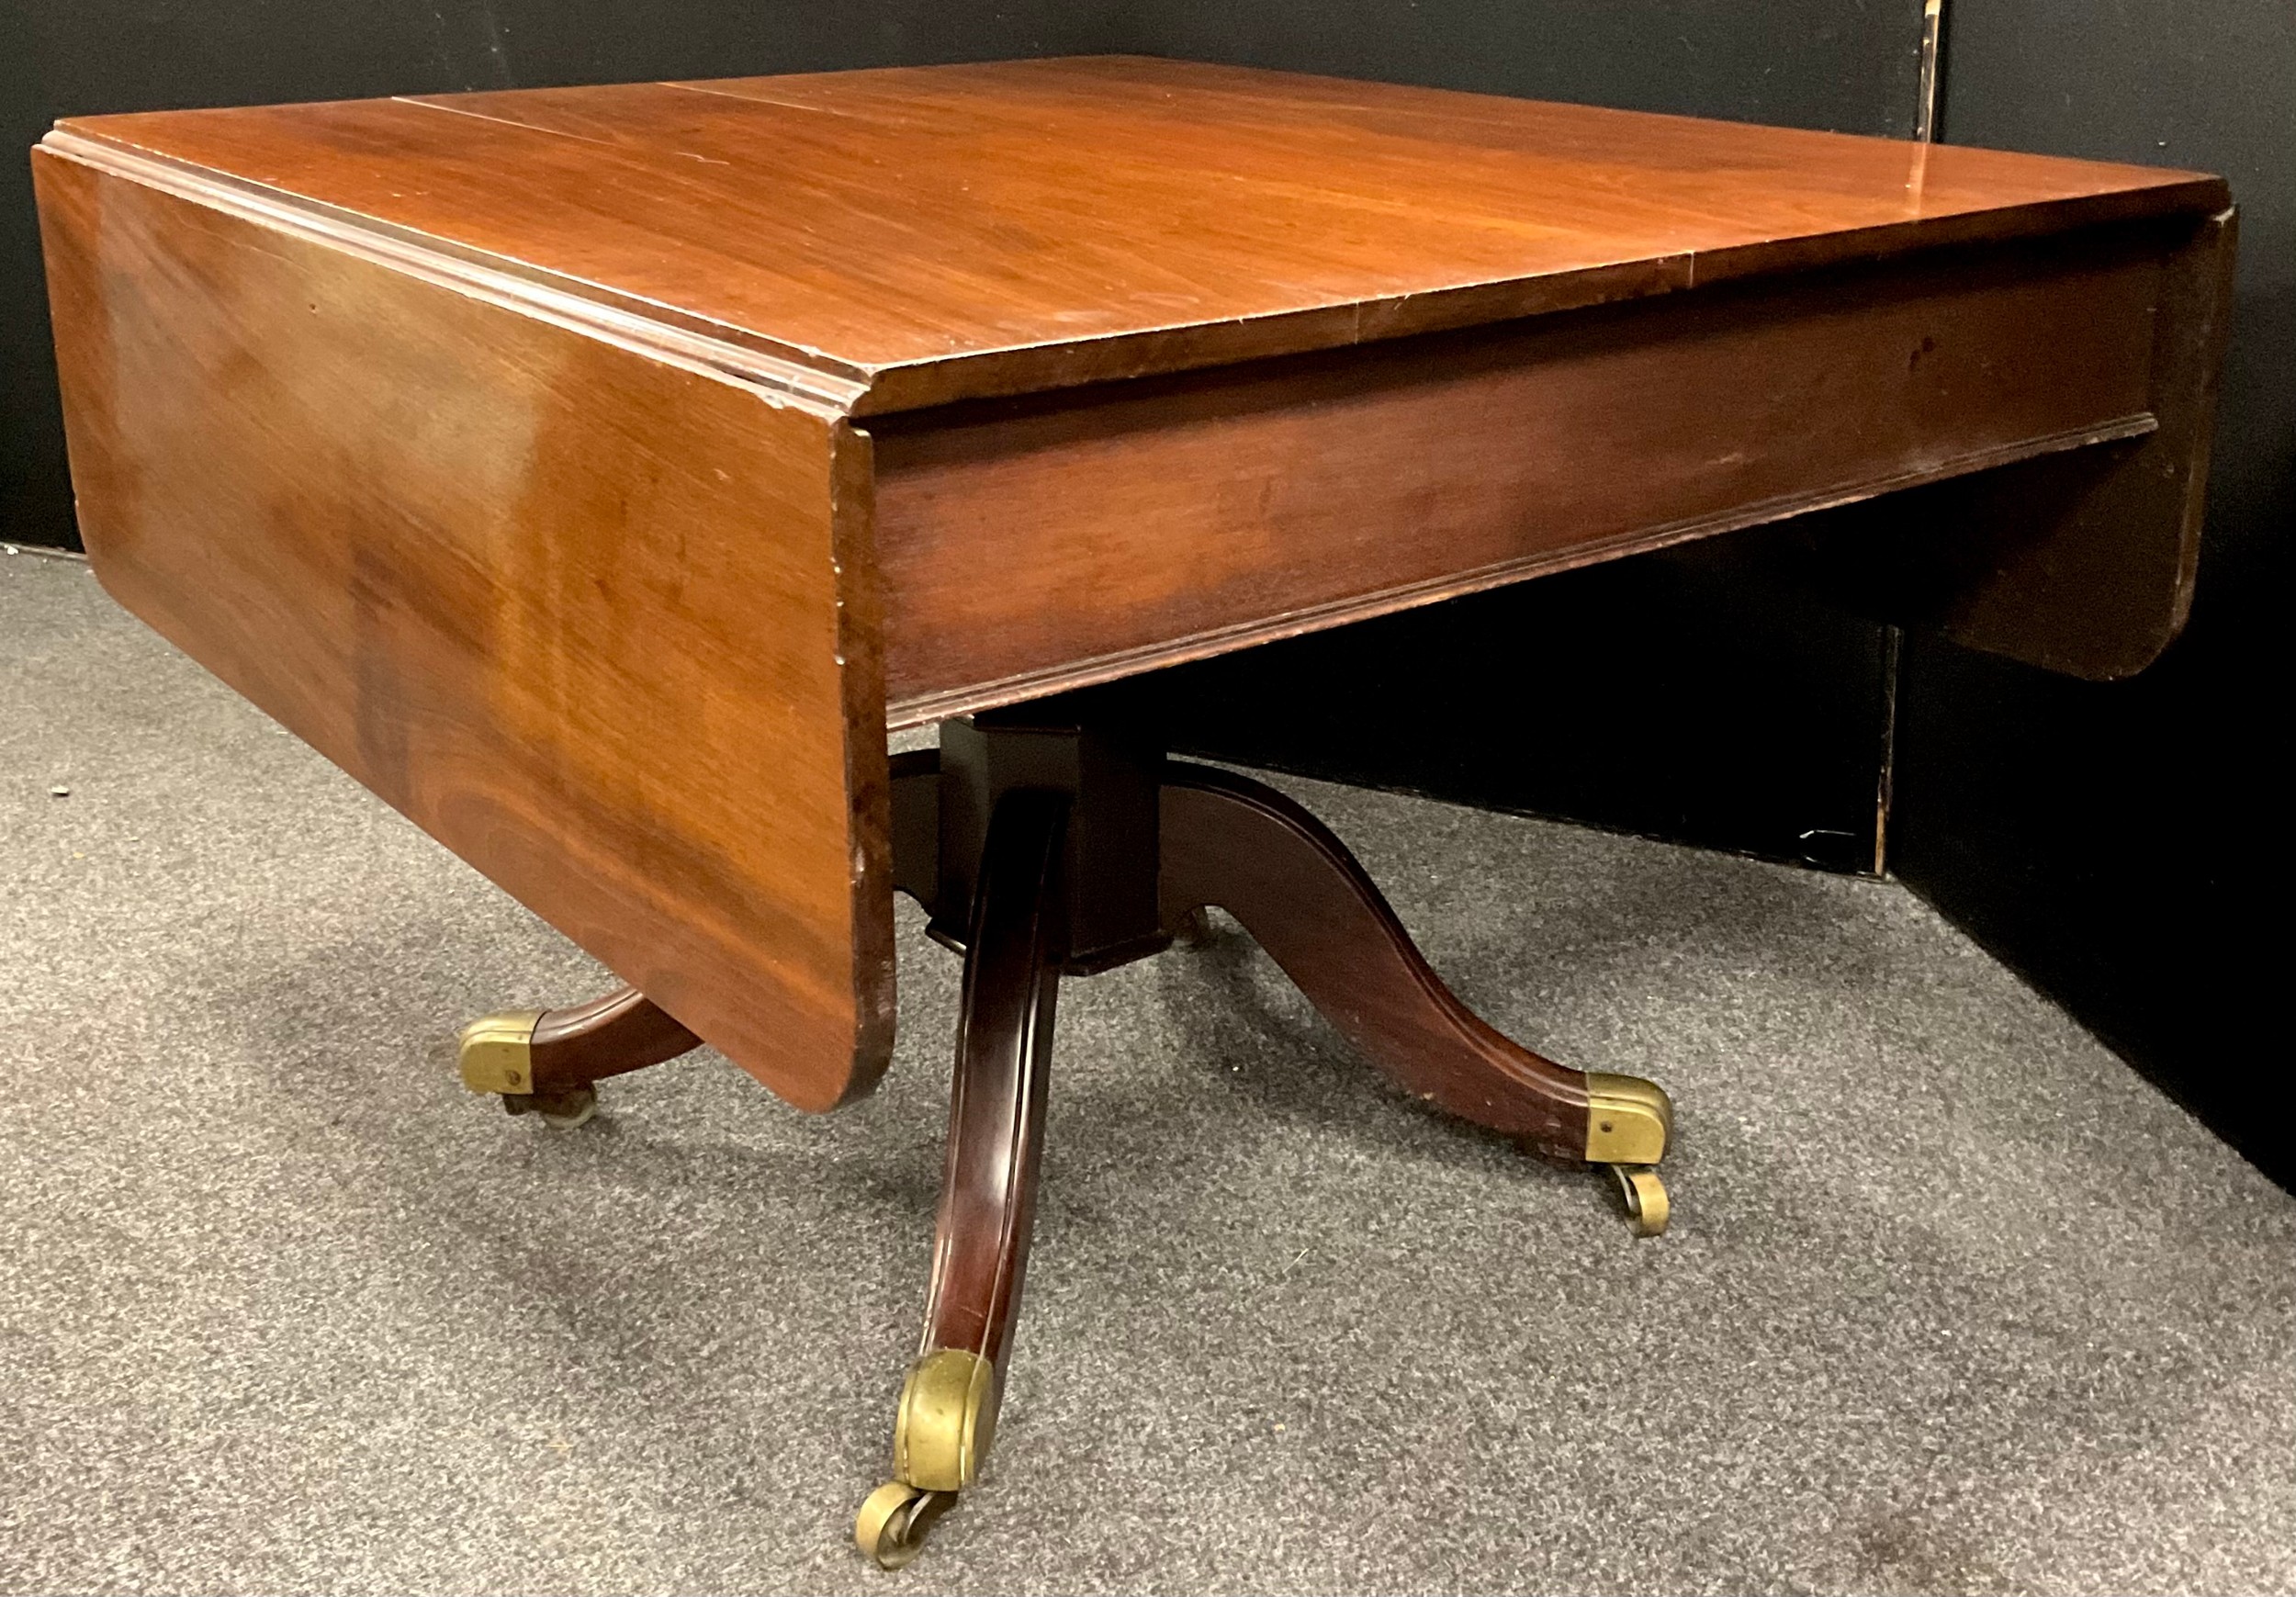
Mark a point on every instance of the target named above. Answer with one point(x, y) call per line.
point(2122, 844)
point(2116, 843)
point(1846, 65)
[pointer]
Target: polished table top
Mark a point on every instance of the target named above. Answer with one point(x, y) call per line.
point(597, 473)
point(912, 235)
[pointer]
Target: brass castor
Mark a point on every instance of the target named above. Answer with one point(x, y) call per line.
point(940, 1437)
point(895, 1520)
point(1628, 1123)
point(1645, 1195)
point(563, 1110)
point(498, 1057)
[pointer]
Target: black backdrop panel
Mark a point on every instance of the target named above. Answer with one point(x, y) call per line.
point(1682, 695)
point(2122, 844)
point(1846, 65)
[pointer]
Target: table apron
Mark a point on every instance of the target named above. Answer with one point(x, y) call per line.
point(1035, 545)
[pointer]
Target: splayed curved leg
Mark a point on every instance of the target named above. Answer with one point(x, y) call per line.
point(546, 1062)
point(1242, 846)
point(1015, 948)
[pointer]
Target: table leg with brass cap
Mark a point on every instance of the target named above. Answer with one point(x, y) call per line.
point(1239, 844)
point(546, 1062)
point(1627, 1123)
point(1015, 946)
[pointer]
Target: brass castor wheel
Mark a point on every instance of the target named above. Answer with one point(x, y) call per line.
point(895, 1520)
point(564, 1109)
point(1644, 1197)
point(498, 1057)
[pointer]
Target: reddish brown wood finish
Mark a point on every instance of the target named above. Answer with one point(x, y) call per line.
point(577, 608)
point(1236, 844)
point(610, 1036)
point(932, 233)
point(1990, 559)
point(1145, 523)
point(516, 449)
point(1014, 951)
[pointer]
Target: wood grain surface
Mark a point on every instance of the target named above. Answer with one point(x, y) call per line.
point(574, 608)
point(938, 233)
point(2084, 563)
point(568, 464)
point(1234, 843)
point(1031, 547)
point(1014, 943)
point(609, 1036)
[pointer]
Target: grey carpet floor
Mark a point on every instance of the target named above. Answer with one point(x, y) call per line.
point(1952, 1302)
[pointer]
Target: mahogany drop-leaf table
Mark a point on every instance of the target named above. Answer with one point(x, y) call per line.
point(599, 474)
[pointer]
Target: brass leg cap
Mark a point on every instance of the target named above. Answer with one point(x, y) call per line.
point(1645, 1195)
point(895, 1519)
point(497, 1051)
point(947, 1420)
point(1629, 1120)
